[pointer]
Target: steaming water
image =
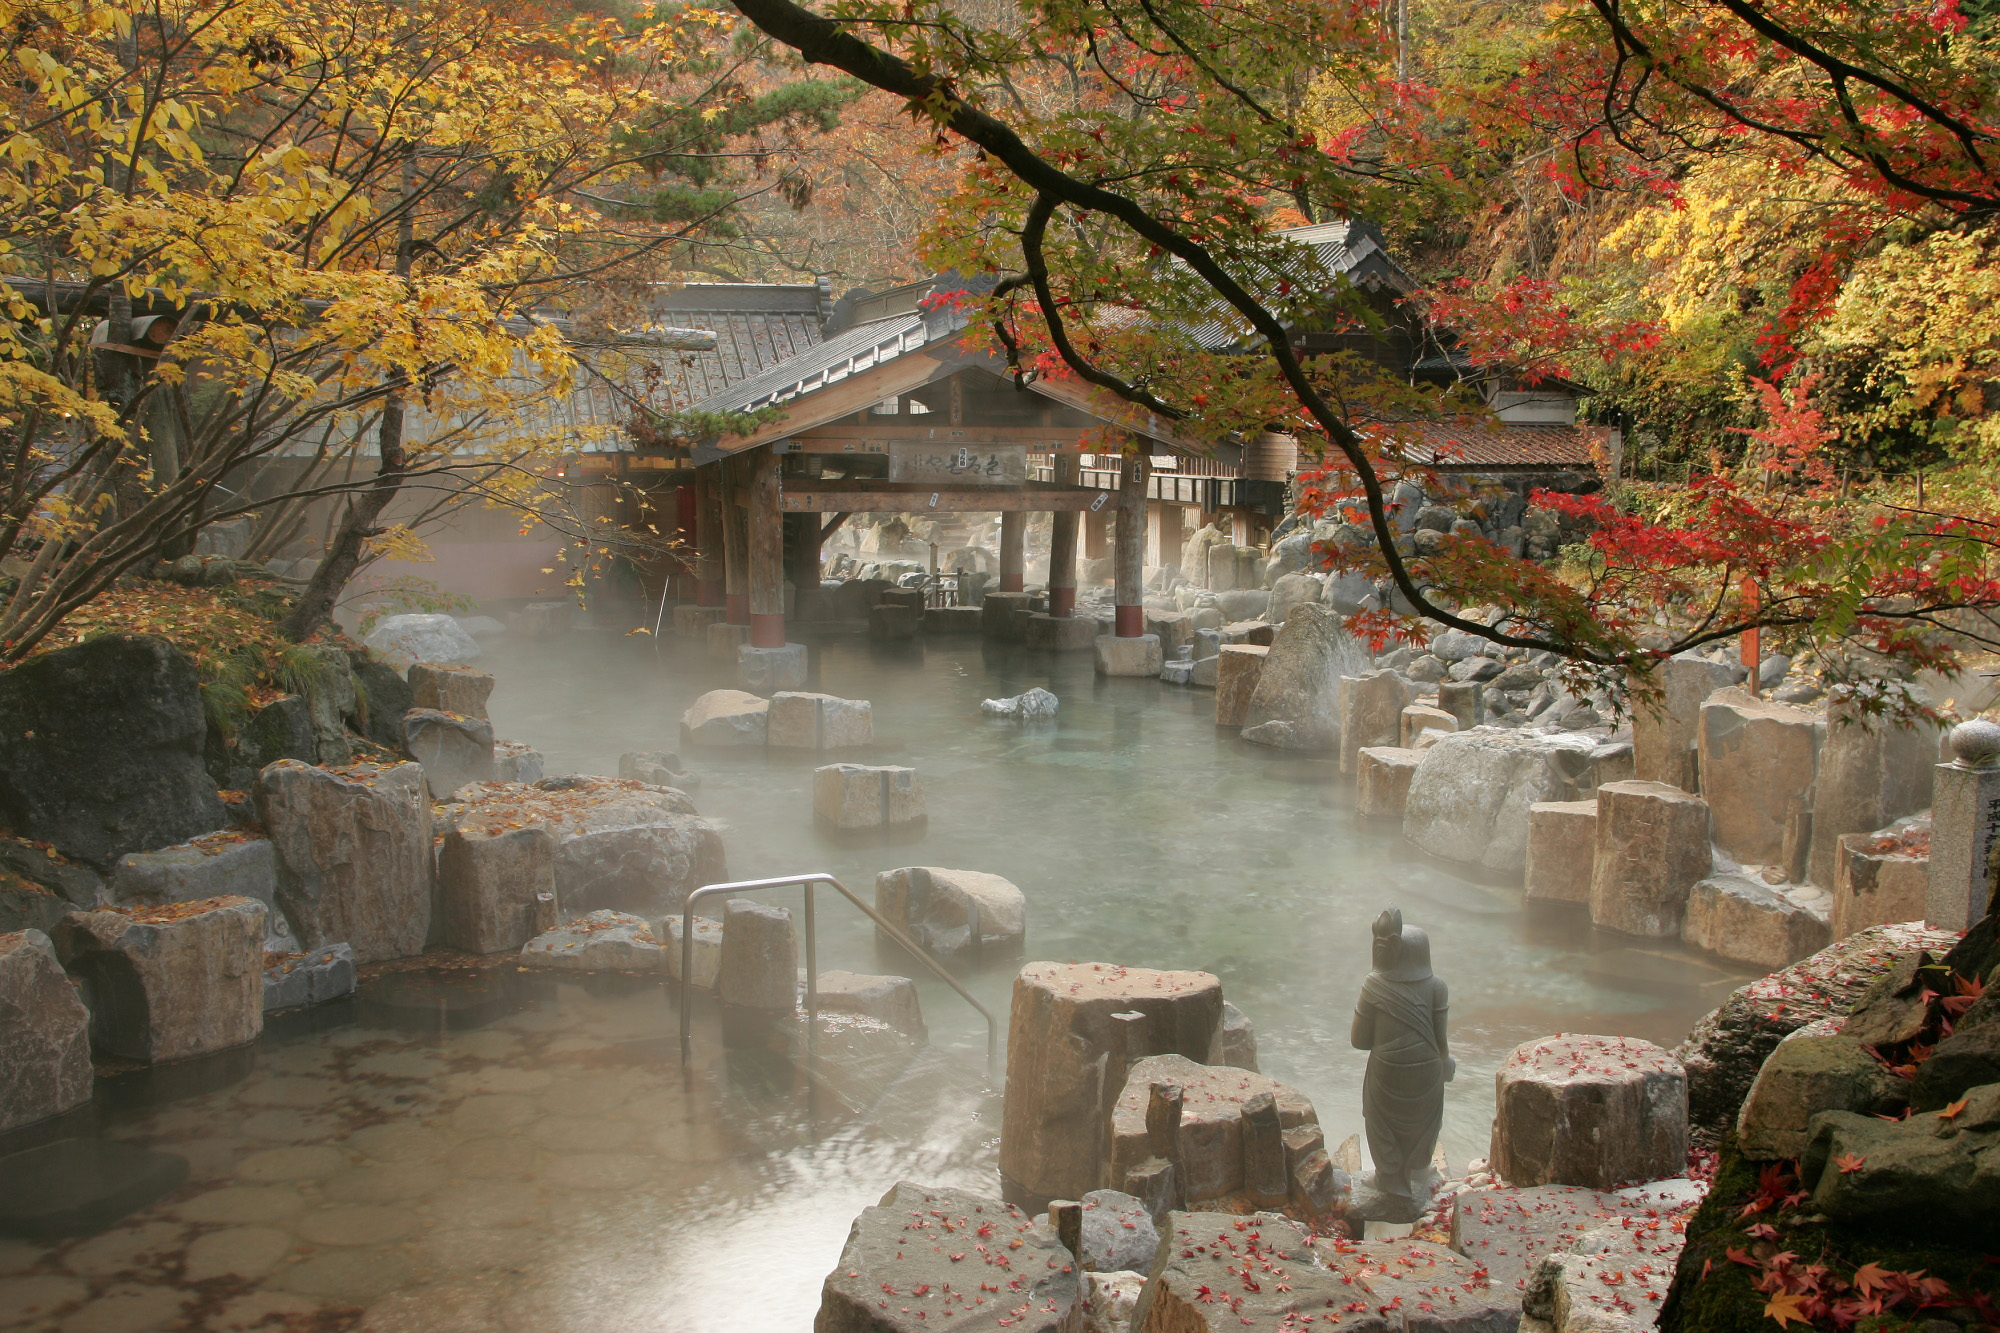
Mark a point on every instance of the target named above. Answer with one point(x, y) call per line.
point(499, 1150)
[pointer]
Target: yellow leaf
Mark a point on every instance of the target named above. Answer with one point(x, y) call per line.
point(1785, 1307)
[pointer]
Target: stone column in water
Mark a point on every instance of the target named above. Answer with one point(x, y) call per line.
point(766, 554)
point(1130, 549)
point(1062, 545)
point(735, 543)
point(1965, 818)
point(1013, 550)
point(709, 556)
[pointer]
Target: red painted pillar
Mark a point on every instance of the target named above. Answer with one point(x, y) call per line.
point(1013, 551)
point(1130, 548)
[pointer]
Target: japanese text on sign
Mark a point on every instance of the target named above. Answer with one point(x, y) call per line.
point(962, 465)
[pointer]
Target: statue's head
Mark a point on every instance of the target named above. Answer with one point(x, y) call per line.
point(1400, 952)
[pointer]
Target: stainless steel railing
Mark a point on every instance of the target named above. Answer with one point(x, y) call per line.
point(808, 881)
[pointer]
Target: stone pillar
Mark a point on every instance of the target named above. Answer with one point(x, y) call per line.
point(1062, 546)
point(709, 557)
point(766, 554)
point(1013, 550)
point(1133, 476)
point(1965, 817)
point(735, 545)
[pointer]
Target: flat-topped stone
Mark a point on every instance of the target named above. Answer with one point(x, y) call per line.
point(1237, 669)
point(1600, 1112)
point(1470, 797)
point(1446, 1291)
point(1062, 634)
point(759, 967)
point(1746, 920)
point(1651, 850)
point(929, 1258)
point(453, 750)
point(705, 963)
point(1757, 766)
point(802, 721)
point(317, 976)
point(1666, 719)
point(1060, 1032)
point(864, 796)
point(1198, 1284)
point(450, 687)
point(1881, 878)
point(1371, 713)
point(1562, 844)
point(165, 983)
point(1510, 1231)
point(892, 1000)
point(602, 941)
point(768, 670)
point(1416, 719)
point(214, 865)
point(1213, 1097)
point(1139, 656)
point(1382, 780)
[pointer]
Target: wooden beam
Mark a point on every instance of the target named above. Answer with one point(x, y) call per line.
point(766, 552)
point(835, 437)
point(817, 501)
point(856, 393)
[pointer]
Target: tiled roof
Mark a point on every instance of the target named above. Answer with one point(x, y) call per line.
point(756, 326)
point(852, 351)
point(1468, 444)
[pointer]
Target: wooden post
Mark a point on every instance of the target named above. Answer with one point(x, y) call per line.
point(1130, 597)
point(736, 545)
point(1062, 546)
point(1013, 550)
point(767, 554)
point(1751, 640)
point(1096, 532)
point(709, 558)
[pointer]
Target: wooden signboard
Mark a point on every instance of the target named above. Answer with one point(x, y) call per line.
point(958, 464)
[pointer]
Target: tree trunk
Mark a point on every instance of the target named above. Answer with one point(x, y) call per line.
point(343, 554)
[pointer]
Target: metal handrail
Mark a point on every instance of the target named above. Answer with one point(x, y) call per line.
point(807, 881)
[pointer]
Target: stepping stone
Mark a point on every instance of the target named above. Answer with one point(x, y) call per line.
point(73, 1187)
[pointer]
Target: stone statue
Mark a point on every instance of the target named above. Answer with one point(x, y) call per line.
point(1400, 1022)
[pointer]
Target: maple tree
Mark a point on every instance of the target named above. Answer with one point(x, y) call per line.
point(274, 261)
point(1131, 232)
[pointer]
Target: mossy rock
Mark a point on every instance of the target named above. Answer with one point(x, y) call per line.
point(1726, 1299)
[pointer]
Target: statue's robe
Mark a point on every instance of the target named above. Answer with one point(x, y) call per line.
point(1401, 1024)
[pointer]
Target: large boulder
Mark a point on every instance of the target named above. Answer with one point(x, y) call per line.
point(929, 1258)
point(453, 750)
point(1729, 1045)
point(936, 907)
point(405, 639)
point(101, 749)
point(1931, 1175)
point(316, 976)
point(1220, 1271)
point(616, 843)
point(331, 699)
point(1600, 1112)
point(1804, 1076)
point(725, 718)
point(1060, 1088)
point(1757, 760)
point(1652, 848)
point(1666, 718)
point(1371, 711)
point(354, 854)
point(1470, 796)
point(1299, 686)
point(1118, 1233)
point(1443, 1292)
point(1871, 773)
point(1745, 920)
point(1510, 1231)
point(44, 1034)
point(450, 687)
point(1291, 591)
point(1212, 1131)
point(166, 983)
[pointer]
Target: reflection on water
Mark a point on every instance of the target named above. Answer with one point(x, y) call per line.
point(489, 1149)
